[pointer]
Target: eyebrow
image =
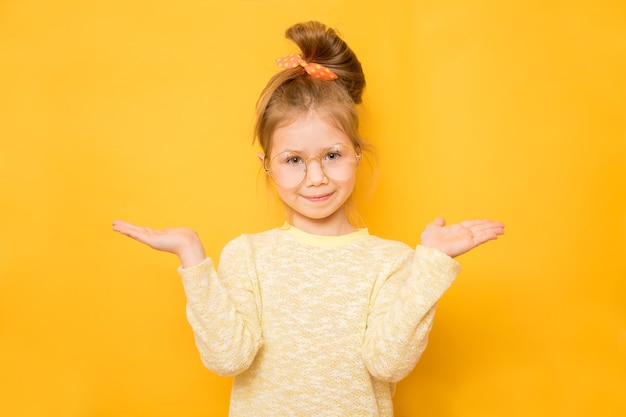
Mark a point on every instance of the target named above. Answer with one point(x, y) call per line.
point(320, 151)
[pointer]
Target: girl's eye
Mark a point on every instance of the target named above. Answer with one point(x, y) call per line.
point(293, 160)
point(331, 156)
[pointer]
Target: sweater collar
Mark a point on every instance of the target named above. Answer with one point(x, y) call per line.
point(323, 241)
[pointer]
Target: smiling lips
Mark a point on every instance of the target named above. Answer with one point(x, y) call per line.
point(317, 198)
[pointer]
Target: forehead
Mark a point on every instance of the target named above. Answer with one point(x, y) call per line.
point(308, 133)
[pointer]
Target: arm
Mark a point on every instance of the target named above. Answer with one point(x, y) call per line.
point(402, 313)
point(222, 309)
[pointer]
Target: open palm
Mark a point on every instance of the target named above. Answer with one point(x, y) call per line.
point(180, 241)
point(456, 239)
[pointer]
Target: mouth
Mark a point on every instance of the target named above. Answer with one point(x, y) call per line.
point(318, 198)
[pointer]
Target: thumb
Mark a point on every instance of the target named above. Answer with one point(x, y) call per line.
point(439, 221)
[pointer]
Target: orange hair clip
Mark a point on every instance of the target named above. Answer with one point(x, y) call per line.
point(314, 70)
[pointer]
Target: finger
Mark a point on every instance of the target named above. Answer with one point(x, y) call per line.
point(439, 221)
point(130, 230)
point(474, 223)
point(486, 228)
point(498, 228)
point(479, 225)
point(121, 224)
point(489, 233)
point(495, 227)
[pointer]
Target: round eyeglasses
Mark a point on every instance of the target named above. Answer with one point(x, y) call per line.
point(288, 169)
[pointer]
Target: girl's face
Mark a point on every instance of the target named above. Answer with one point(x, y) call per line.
point(317, 203)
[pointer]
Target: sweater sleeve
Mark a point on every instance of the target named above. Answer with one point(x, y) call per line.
point(222, 309)
point(402, 311)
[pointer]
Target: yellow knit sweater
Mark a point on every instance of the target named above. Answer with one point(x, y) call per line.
point(315, 325)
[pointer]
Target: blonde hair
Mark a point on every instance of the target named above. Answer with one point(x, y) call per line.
point(292, 93)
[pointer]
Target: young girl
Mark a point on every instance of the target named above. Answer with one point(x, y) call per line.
point(317, 317)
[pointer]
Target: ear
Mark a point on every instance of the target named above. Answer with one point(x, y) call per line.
point(261, 157)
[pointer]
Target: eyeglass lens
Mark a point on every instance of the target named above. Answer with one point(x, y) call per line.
point(338, 162)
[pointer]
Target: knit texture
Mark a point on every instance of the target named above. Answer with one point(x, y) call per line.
point(315, 326)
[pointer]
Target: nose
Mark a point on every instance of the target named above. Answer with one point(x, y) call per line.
point(315, 172)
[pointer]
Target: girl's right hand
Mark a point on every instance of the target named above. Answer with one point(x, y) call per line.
point(180, 241)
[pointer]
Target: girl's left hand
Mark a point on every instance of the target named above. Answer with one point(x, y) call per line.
point(459, 238)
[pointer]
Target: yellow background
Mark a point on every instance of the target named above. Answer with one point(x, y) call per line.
point(142, 110)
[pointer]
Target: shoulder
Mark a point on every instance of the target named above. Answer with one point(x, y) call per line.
point(374, 241)
point(249, 241)
point(377, 247)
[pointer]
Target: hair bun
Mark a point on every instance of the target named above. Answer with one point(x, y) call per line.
point(322, 45)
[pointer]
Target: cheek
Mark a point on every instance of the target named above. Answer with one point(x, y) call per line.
point(348, 185)
point(285, 193)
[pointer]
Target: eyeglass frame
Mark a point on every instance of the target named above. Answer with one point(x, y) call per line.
point(358, 156)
